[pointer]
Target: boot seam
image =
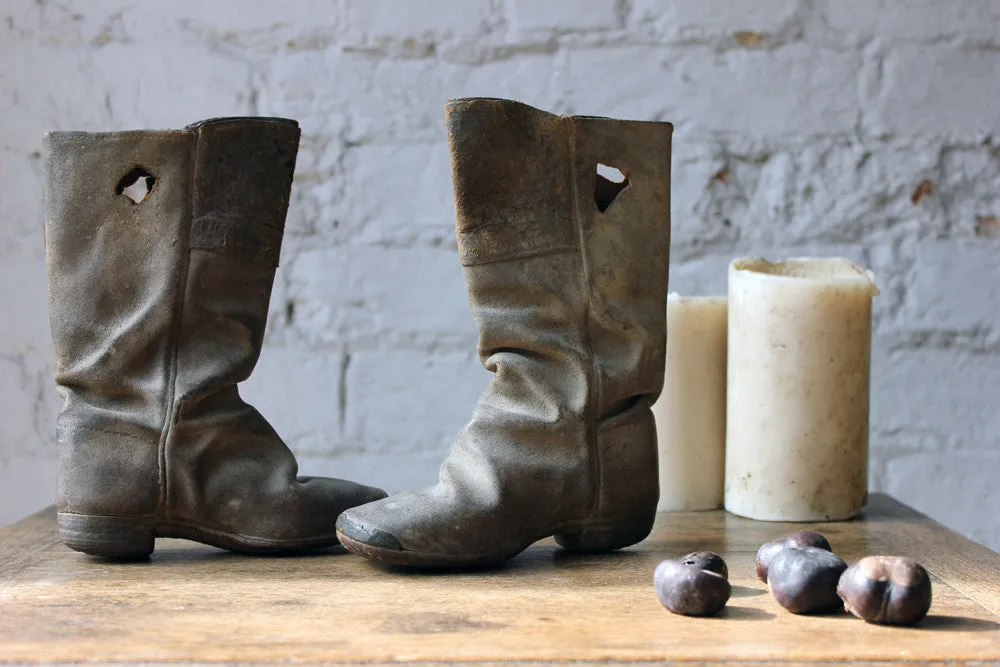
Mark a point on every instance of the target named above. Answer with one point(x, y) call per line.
point(593, 388)
point(170, 416)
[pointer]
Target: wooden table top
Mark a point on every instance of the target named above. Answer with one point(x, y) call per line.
point(191, 603)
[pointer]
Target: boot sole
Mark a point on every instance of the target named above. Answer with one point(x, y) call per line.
point(124, 538)
point(590, 538)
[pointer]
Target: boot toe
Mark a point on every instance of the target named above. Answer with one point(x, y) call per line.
point(341, 494)
point(355, 531)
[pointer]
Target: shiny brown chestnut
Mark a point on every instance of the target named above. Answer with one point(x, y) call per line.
point(804, 580)
point(688, 590)
point(767, 551)
point(707, 560)
point(892, 590)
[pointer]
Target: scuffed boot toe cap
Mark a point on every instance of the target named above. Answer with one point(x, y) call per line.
point(358, 538)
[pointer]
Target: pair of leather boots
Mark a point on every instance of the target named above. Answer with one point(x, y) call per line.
point(161, 251)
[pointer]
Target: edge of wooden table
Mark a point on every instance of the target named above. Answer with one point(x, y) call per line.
point(966, 566)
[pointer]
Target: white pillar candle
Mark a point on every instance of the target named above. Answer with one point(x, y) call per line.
point(691, 412)
point(799, 360)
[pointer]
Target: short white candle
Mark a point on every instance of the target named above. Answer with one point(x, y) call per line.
point(691, 412)
point(798, 388)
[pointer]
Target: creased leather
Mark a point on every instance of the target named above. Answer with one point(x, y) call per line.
point(157, 312)
point(570, 307)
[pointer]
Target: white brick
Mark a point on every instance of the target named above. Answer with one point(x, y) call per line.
point(403, 18)
point(145, 88)
point(298, 390)
point(361, 294)
point(76, 107)
point(768, 94)
point(953, 287)
point(610, 82)
point(705, 276)
point(19, 389)
point(562, 15)
point(911, 397)
point(937, 91)
point(401, 192)
point(129, 87)
point(407, 401)
point(309, 86)
point(836, 191)
point(22, 213)
point(314, 212)
point(404, 99)
point(824, 117)
point(704, 208)
point(24, 329)
point(531, 78)
point(59, 23)
point(693, 19)
point(830, 191)
point(918, 20)
point(708, 274)
point(956, 489)
point(970, 181)
point(392, 471)
point(889, 258)
point(391, 101)
point(27, 484)
point(99, 22)
point(231, 20)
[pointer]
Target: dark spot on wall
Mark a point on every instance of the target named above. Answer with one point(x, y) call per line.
point(923, 189)
point(749, 38)
point(987, 226)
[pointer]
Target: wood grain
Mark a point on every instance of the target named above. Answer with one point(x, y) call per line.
point(195, 604)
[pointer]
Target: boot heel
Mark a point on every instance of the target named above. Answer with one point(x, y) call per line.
point(108, 536)
point(607, 537)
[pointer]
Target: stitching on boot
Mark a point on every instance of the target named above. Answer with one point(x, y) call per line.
point(171, 408)
point(594, 390)
point(237, 236)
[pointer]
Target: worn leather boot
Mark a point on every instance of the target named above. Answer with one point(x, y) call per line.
point(567, 280)
point(161, 249)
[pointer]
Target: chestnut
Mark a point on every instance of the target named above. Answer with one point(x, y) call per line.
point(767, 551)
point(804, 580)
point(689, 590)
point(886, 589)
point(707, 560)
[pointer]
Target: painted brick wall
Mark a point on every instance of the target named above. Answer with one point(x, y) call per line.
point(803, 126)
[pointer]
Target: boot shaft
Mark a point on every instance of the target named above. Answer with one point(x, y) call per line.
point(114, 267)
point(527, 185)
point(242, 175)
point(567, 281)
point(192, 259)
point(158, 296)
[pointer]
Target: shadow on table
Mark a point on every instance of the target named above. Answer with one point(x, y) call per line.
point(943, 622)
point(738, 613)
point(201, 553)
point(746, 591)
